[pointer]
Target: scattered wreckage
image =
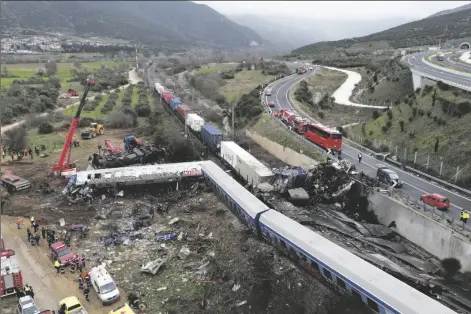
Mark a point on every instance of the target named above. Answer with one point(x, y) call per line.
point(14, 183)
point(114, 158)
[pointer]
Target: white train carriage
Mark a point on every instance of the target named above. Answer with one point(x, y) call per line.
point(244, 203)
point(380, 291)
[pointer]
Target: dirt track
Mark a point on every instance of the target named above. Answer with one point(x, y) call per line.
point(38, 271)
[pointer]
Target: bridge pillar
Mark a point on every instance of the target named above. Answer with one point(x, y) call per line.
point(417, 81)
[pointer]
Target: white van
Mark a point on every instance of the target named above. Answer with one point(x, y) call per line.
point(104, 285)
point(268, 92)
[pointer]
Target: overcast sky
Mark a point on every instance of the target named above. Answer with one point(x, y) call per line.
point(355, 10)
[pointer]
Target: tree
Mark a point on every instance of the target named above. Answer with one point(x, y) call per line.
point(401, 125)
point(45, 128)
point(51, 67)
point(16, 139)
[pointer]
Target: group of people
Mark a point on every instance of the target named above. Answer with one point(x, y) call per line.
point(20, 154)
point(24, 291)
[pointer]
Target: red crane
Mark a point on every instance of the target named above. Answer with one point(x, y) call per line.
point(63, 164)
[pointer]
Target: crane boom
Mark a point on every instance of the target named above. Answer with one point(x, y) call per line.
point(64, 159)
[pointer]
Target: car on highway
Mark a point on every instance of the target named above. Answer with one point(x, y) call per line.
point(386, 175)
point(26, 305)
point(71, 305)
point(436, 200)
point(268, 92)
point(271, 104)
point(61, 251)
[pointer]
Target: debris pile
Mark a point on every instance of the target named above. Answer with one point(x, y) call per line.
point(145, 154)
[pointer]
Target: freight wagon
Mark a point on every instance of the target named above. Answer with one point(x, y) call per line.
point(212, 138)
point(174, 102)
point(244, 164)
point(194, 122)
point(167, 97)
point(182, 111)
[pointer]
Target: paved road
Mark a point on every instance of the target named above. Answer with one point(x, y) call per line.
point(452, 61)
point(415, 62)
point(414, 186)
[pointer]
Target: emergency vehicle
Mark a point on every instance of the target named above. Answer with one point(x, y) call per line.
point(11, 277)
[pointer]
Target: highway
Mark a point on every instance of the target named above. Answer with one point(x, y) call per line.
point(452, 61)
point(415, 61)
point(413, 186)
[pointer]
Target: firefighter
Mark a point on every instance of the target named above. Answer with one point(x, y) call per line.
point(32, 221)
point(28, 234)
point(37, 238)
point(18, 222)
point(86, 291)
point(62, 309)
point(35, 226)
point(57, 265)
point(72, 267)
point(464, 216)
point(43, 232)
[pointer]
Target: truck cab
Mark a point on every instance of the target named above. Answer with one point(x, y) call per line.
point(61, 251)
point(11, 277)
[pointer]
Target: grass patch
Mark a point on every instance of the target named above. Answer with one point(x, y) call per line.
point(272, 130)
point(242, 83)
point(215, 67)
point(24, 70)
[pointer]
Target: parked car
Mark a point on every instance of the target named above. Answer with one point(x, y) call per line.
point(61, 251)
point(386, 175)
point(436, 200)
point(26, 305)
point(271, 104)
point(72, 306)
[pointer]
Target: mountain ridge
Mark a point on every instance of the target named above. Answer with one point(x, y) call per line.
point(166, 23)
point(422, 32)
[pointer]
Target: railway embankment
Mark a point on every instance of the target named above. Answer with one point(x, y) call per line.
point(419, 227)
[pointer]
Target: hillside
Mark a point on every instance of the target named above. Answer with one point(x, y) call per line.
point(439, 114)
point(171, 24)
point(418, 33)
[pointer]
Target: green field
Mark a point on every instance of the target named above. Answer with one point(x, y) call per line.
point(242, 83)
point(215, 67)
point(22, 71)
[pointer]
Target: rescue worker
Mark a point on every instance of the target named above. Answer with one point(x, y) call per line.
point(83, 260)
point(29, 291)
point(80, 282)
point(18, 222)
point(18, 292)
point(72, 267)
point(32, 221)
point(62, 269)
point(43, 232)
point(464, 216)
point(86, 291)
point(37, 238)
point(35, 226)
point(21, 293)
point(133, 300)
point(57, 265)
point(62, 309)
point(28, 234)
point(359, 157)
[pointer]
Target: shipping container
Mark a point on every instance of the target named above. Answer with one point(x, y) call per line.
point(211, 137)
point(156, 87)
point(245, 165)
point(194, 122)
point(166, 97)
point(182, 111)
point(174, 102)
point(160, 90)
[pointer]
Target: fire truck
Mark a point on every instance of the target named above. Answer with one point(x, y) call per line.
point(11, 277)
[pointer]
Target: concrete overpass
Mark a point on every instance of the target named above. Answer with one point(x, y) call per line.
point(426, 73)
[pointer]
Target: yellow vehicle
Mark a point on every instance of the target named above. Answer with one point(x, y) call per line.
point(94, 130)
point(122, 309)
point(72, 305)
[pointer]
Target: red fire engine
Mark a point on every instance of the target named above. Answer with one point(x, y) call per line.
point(286, 116)
point(11, 277)
point(322, 136)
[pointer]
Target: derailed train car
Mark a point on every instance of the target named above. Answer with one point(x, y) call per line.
point(381, 292)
